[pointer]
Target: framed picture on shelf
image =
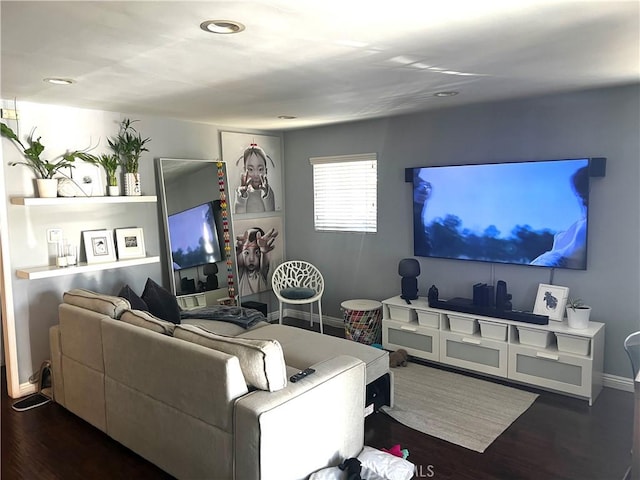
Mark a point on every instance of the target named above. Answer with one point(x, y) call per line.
point(88, 178)
point(551, 300)
point(98, 246)
point(130, 243)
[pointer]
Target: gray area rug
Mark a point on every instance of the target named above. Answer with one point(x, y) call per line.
point(459, 409)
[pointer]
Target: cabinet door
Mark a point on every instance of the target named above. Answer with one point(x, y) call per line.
point(418, 341)
point(550, 369)
point(474, 353)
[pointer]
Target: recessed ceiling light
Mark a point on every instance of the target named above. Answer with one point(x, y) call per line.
point(59, 81)
point(445, 94)
point(222, 26)
point(286, 117)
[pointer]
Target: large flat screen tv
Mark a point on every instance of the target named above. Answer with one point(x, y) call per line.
point(194, 236)
point(527, 213)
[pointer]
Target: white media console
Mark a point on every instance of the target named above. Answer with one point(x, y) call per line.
point(553, 357)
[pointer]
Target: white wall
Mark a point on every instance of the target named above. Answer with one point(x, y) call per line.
point(597, 123)
point(35, 302)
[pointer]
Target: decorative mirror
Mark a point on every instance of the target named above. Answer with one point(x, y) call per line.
point(198, 228)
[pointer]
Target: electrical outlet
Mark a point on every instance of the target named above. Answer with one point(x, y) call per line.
point(8, 114)
point(54, 235)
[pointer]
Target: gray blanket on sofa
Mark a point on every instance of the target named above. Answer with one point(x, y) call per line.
point(245, 317)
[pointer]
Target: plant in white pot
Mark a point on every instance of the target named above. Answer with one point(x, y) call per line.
point(128, 146)
point(578, 314)
point(44, 170)
point(110, 163)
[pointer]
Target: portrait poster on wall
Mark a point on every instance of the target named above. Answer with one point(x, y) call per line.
point(259, 247)
point(254, 172)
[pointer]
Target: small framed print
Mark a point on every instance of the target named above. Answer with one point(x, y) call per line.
point(88, 178)
point(98, 245)
point(130, 242)
point(550, 301)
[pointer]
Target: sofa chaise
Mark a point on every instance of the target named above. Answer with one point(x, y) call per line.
point(208, 399)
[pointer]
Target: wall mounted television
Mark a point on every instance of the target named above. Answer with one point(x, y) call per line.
point(525, 213)
point(194, 236)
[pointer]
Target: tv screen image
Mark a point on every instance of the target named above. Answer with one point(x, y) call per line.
point(527, 213)
point(194, 236)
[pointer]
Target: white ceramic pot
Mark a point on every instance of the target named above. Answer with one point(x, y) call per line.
point(114, 190)
point(47, 187)
point(132, 184)
point(578, 318)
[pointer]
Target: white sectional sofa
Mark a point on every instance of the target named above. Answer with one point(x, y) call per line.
point(205, 406)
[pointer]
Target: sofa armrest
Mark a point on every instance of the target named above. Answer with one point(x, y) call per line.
point(315, 422)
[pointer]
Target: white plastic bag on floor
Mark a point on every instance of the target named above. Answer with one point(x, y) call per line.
point(375, 465)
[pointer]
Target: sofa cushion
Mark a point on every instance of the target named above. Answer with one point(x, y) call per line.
point(261, 360)
point(96, 302)
point(147, 320)
point(162, 303)
point(297, 293)
point(302, 348)
point(136, 302)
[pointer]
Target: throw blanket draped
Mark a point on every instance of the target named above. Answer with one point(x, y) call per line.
point(245, 317)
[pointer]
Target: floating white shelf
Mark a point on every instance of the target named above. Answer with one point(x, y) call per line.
point(36, 201)
point(53, 271)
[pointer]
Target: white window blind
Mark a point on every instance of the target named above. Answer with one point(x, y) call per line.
point(345, 193)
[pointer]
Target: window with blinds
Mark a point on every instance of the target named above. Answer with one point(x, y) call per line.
point(345, 193)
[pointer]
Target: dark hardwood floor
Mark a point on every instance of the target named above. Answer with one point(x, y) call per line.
point(557, 438)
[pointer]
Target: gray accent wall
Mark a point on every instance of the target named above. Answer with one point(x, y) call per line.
point(594, 123)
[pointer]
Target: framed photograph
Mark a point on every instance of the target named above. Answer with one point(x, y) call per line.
point(256, 265)
point(254, 172)
point(550, 301)
point(130, 243)
point(88, 178)
point(98, 245)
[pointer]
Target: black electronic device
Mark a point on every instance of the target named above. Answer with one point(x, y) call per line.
point(211, 270)
point(409, 269)
point(465, 305)
point(503, 299)
point(483, 295)
point(300, 375)
point(195, 234)
point(460, 211)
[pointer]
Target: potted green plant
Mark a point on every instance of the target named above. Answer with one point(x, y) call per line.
point(110, 163)
point(44, 170)
point(578, 314)
point(128, 146)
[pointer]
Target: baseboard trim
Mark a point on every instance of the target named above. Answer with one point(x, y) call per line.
point(302, 315)
point(27, 389)
point(619, 383)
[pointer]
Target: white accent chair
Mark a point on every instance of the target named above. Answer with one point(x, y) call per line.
point(297, 282)
point(632, 347)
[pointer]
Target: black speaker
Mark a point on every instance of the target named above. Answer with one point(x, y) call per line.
point(597, 167)
point(408, 175)
point(503, 299)
point(409, 269)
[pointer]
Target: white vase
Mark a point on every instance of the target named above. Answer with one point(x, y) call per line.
point(578, 318)
point(132, 184)
point(114, 190)
point(47, 187)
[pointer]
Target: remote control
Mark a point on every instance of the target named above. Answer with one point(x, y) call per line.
point(300, 375)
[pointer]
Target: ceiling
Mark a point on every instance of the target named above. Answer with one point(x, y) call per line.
point(322, 61)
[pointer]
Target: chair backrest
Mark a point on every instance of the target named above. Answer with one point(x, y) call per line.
point(297, 273)
point(632, 347)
